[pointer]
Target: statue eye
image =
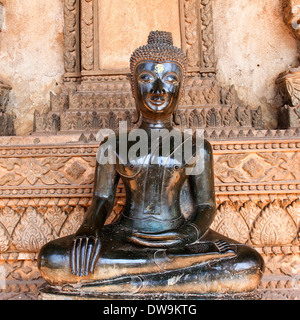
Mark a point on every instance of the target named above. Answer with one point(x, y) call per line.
point(171, 79)
point(146, 78)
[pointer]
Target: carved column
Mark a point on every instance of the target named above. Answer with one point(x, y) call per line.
point(198, 40)
point(87, 35)
point(72, 39)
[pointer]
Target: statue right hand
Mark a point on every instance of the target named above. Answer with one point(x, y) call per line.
point(85, 252)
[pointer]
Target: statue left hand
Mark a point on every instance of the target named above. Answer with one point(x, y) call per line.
point(168, 239)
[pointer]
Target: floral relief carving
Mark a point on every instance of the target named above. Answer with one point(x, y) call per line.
point(9, 218)
point(76, 170)
point(32, 232)
point(70, 40)
point(258, 167)
point(73, 222)
point(254, 221)
point(56, 217)
point(229, 222)
point(225, 168)
point(207, 33)
point(284, 167)
point(48, 171)
point(200, 50)
point(191, 28)
point(253, 168)
point(292, 165)
point(32, 171)
point(249, 211)
point(274, 226)
point(87, 34)
point(4, 239)
point(294, 211)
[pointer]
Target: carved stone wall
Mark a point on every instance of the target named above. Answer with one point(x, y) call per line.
point(93, 98)
point(236, 34)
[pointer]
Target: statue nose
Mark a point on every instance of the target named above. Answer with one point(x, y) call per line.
point(158, 87)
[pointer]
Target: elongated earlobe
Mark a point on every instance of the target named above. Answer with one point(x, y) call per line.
point(138, 116)
point(176, 118)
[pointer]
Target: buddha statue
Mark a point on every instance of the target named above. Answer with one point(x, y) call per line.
point(154, 246)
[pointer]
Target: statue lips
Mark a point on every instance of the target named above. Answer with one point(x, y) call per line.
point(157, 102)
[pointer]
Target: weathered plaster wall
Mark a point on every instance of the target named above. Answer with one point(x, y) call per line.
point(127, 11)
point(31, 55)
point(253, 45)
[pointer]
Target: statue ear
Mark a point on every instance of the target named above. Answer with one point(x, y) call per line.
point(176, 118)
point(138, 116)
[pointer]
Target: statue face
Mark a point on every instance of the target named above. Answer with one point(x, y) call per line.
point(158, 87)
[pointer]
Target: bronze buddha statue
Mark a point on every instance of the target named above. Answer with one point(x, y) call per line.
point(153, 247)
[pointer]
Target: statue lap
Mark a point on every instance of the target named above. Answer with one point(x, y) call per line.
point(215, 264)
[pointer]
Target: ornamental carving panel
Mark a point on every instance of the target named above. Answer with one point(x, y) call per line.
point(259, 167)
point(32, 232)
point(95, 97)
point(230, 223)
point(274, 226)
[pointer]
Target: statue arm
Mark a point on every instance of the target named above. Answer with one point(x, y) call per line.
point(88, 239)
point(203, 194)
point(106, 181)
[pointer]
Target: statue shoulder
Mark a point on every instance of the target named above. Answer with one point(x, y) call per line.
point(202, 144)
point(207, 146)
point(111, 138)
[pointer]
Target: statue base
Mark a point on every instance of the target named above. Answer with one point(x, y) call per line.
point(52, 293)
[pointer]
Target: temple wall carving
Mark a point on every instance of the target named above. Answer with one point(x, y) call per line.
point(234, 37)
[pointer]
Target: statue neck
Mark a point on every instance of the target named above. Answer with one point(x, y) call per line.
point(152, 124)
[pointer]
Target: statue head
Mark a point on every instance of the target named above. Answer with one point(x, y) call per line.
point(158, 72)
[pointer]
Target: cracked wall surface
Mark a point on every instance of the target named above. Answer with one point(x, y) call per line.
point(31, 56)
